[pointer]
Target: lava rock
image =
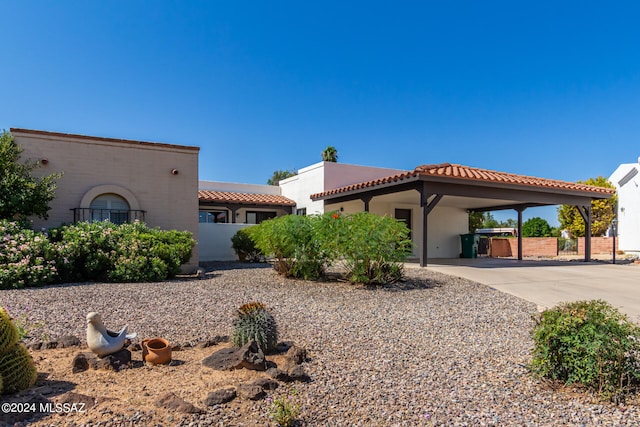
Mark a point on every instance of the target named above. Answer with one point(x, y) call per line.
point(250, 356)
point(113, 362)
point(220, 396)
point(251, 392)
point(69, 341)
point(296, 355)
point(79, 363)
point(170, 401)
point(278, 375)
point(266, 383)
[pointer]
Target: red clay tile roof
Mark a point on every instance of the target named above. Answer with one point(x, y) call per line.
point(458, 173)
point(243, 198)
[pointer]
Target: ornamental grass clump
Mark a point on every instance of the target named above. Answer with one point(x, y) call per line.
point(253, 322)
point(588, 343)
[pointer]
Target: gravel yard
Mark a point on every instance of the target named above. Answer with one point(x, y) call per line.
point(433, 350)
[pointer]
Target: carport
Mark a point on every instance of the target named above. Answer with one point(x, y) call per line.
point(473, 189)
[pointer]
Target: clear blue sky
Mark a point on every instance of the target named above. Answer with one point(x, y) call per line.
point(545, 88)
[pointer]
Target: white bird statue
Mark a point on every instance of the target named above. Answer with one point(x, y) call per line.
point(102, 341)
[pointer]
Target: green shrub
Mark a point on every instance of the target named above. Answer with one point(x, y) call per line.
point(245, 247)
point(84, 250)
point(293, 242)
point(25, 256)
point(254, 323)
point(589, 343)
point(119, 253)
point(284, 411)
point(373, 247)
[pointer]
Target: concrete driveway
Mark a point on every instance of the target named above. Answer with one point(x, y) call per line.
point(548, 283)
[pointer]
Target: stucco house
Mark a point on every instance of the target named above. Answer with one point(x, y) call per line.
point(116, 179)
point(226, 207)
point(627, 182)
point(433, 200)
point(124, 180)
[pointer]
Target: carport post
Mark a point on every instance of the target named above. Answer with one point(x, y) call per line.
point(520, 210)
point(585, 212)
point(587, 235)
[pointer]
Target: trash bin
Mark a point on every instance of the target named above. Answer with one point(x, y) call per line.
point(469, 245)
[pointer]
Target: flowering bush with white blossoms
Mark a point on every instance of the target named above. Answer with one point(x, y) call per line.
point(119, 253)
point(90, 251)
point(25, 256)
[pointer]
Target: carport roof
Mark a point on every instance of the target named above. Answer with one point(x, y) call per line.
point(459, 175)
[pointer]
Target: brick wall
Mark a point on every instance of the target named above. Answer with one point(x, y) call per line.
point(548, 246)
point(535, 246)
point(599, 245)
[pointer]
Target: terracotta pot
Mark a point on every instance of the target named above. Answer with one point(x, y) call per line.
point(156, 351)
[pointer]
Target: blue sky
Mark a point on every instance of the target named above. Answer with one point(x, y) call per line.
point(550, 89)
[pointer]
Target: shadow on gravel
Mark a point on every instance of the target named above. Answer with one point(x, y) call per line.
point(213, 266)
point(410, 285)
point(34, 404)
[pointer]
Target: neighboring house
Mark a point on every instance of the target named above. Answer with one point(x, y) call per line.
point(225, 207)
point(434, 200)
point(117, 180)
point(627, 182)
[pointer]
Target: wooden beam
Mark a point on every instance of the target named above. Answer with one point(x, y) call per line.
point(426, 206)
point(366, 200)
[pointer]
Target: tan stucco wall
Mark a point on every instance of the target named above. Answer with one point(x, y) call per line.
point(139, 172)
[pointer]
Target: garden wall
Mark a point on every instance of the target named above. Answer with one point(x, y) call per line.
point(215, 241)
point(599, 245)
point(535, 246)
point(545, 246)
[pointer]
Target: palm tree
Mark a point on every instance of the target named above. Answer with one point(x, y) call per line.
point(330, 154)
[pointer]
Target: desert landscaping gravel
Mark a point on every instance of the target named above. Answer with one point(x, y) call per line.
point(431, 350)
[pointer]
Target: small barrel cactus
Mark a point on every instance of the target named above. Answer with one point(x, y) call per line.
point(8, 332)
point(255, 323)
point(17, 370)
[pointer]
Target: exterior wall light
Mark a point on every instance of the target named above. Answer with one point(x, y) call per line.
point(174, 171)
point(44, 161)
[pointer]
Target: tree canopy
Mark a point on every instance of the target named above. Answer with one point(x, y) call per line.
point(22, 194)
point(486, 220)
point(330, 154)
point(536, 227)
point(279, 175)
point(602, 212)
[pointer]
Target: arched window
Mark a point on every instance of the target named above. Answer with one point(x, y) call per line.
point(110, 207)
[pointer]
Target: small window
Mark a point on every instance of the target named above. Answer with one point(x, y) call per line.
point(109, 207)
point(212, 216)
point(301, 211)
point(256, 217)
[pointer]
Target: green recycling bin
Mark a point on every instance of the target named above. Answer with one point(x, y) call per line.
point(470, 245)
